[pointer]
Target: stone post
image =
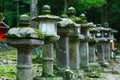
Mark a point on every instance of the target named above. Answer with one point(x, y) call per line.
point(47, 24)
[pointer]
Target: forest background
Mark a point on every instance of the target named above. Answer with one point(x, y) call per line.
point(97, 11)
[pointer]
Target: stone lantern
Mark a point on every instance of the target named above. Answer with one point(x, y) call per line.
point(24, 39)
point(84, 46)
point(106, 45)
point(47, 25)
point(101, 46)
point(65, 29)
point(92, 47)
point(75, 40)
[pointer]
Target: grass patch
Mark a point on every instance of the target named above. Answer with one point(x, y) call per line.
point(8, 71)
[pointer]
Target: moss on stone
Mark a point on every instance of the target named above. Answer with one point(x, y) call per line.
point(23, 32)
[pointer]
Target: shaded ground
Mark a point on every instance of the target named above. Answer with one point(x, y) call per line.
point(108, 74)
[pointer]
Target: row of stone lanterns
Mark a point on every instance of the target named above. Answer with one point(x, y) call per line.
point(75, 47)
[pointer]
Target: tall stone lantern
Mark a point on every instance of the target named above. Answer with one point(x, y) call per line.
point(24, 39)
point(47, 25)
point(84, 45)
point(75, 40)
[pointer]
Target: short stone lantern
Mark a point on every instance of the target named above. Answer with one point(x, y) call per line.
point(47, 25)
point(24, 39)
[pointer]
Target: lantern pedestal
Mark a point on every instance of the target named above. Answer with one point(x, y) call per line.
point(74, 51)
point(24, 60)
point(101, 54)
point(106, 47)
point(84, 54)
point(62, 45)
point(92, 55)
point(47, 73)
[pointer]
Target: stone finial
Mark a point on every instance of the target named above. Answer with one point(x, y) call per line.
point(1, 17)
point(106, 24)
point(24, 20)
point(46, 9)
point(83, 17)
point(71, 11)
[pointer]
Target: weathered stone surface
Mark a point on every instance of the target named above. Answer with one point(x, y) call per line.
point(62, 55)
point(48, 60)
point(74, 55)
point(84, 54)
point(100, 52)
point(92, 56)
point(106, 47)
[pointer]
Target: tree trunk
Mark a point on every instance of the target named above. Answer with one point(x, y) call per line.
point(104, 14)
point(33, 12)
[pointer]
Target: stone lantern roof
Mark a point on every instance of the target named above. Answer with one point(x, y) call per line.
point(46, 15)
point(93, 40)
point(93, 30)
point(24, 33)
point(66, 22)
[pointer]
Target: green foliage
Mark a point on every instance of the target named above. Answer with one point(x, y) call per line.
point(88, 3)
point(39, 33)
point(38, 59)
point(8, 71)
